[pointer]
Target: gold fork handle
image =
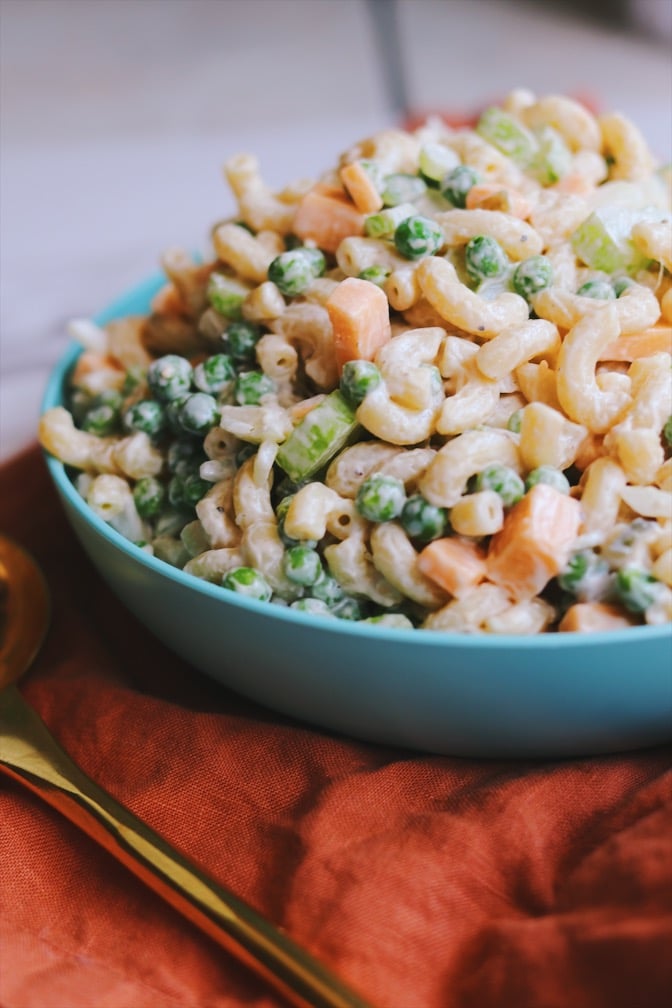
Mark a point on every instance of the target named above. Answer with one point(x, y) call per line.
point(29, 754)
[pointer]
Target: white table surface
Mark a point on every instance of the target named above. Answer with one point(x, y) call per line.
point(117, 115)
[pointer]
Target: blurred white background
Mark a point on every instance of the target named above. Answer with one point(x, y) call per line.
point(116, 117)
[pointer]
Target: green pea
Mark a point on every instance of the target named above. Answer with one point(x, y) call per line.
point(402, 188)
point(636, 589)
point(101, 420)
point(384, 223)
point(347, 608)
point(601, 290)
point(302, 565)
point(504, 480)
point(251, 387)
point(198, 413)
point(248, 581)
point(532, 275)
point(375, 274)
point(169, 377)
point(184, 492)
point(423, 521)
point(327, 589)
point(241, 338)
point(485, 258)
point(315, 257)
point(226, 295)
point(667, 432)
point(215, 374)
point(146, 415)
point(149, 496)
point(313, 606)
point(135, 375)
point(294, 271)
point(418, 236)
point(457, 183)
point(586, 576)
point(548, 474)
point(358, 378)
point(381, 498)
point(184, 456)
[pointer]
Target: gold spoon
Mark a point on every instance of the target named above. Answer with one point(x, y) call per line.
point(29, 754)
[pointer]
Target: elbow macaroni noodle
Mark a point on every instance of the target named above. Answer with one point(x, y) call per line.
point(339, 446)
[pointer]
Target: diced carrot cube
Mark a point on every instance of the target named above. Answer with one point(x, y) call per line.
point(326, 216)
point(632, 346)
point(590, 617)
point(360, 317)
point(359, 185)
point(534, 544)
point(453, 564)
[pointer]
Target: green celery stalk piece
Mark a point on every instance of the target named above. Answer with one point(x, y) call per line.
point(507, 135)
point(603, 241)
point(553, 158)
point(317, 438)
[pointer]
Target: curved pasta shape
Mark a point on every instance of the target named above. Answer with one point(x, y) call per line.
point(518, 238)
point(264, 550)
point(213, 564)
point(446, 477)
point(471, 404)
point(316, 509)
point(397, 560)
point(244, 252)
point(215, 513)
point(517, 345)
point(573, 121)
point(547, 437)
point(654, 239)
point(350, 468)
point(251, 500)
point(463, 308)
point(258, 206)
point(636, 309)
point(307, 326)
point(602, 484)
point(626, 148)
point(351, 564)
point(578, 391)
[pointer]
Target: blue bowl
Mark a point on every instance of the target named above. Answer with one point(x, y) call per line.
point(551, 695)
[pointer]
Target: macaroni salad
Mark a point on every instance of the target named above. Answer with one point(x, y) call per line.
point(431, 388)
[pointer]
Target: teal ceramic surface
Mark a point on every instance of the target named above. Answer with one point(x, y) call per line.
point(477, 696)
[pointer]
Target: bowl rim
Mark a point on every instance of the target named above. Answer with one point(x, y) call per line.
point(130, 302)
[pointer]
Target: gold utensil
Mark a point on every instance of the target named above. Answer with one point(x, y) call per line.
point(29, 754)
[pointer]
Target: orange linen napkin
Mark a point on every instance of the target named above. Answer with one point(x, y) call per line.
point(424, 881)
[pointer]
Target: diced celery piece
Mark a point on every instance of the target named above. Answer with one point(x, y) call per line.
point(435, 160)
point(382, 224)
point(317, 438)
point(553, 158)
point(508, 135)
point(603, 241)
